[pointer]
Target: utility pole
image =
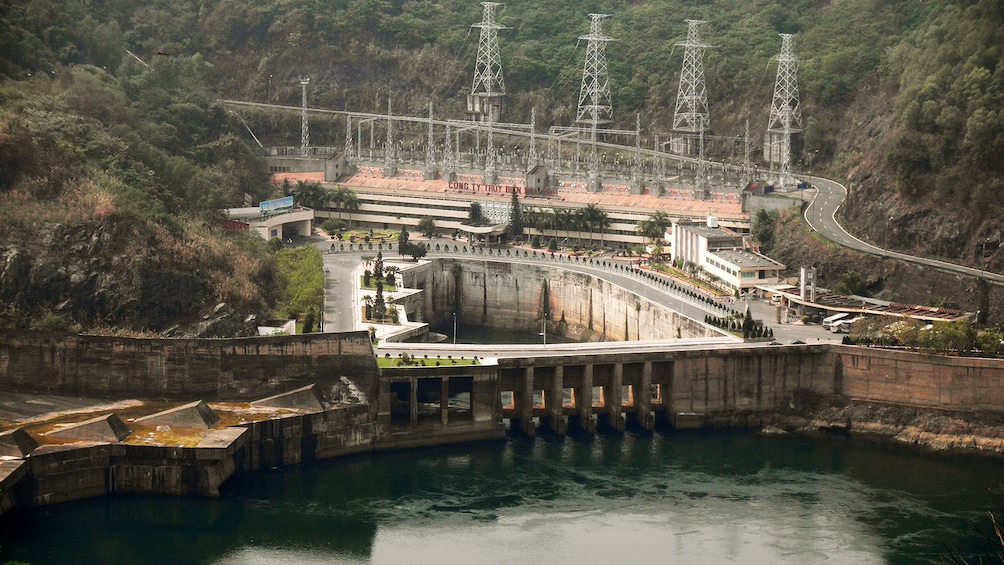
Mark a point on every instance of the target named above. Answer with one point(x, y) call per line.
point(747, 177)
point(489, 170)
point(702, 166)
point(636, 175)
point(349, 151)
point(389, 168)
point(430, 151)
point(449, 158)
point(532, 158)
point(304, 130)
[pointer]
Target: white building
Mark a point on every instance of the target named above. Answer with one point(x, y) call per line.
point(720, 254)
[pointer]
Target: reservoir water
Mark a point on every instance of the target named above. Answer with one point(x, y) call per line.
point(697, 497)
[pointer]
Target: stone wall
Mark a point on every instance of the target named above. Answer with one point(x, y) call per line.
point(211, 369)
point(506, 295)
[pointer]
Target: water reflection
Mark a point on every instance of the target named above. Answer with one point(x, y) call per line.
point(688, 498)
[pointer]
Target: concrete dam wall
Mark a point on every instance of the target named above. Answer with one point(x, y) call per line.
point(517, 296)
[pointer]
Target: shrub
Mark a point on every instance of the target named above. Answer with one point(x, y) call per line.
point(332, 225)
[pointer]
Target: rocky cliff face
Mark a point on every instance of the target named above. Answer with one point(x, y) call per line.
point(96, 275)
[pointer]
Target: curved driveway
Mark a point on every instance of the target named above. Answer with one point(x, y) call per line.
point(340, 301)
point(821, 217)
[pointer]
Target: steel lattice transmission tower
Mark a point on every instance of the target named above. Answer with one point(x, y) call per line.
point(691, 116)
point(304, 130)
point(785, 113)
point(595, 107)
point(487, 99)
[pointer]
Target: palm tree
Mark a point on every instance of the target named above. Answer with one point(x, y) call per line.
point(590, 217)
point(576, 223)
point(655, 226)
point(533, 217)
point(309, 194)
point(563, 219)
point(549, 219)
point(602, 222)
point(661, 222)
point(345, 199)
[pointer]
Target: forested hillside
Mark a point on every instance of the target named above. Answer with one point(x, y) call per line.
point(903, 99)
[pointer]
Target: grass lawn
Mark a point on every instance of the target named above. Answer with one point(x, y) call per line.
point(390, 362)
point(372, 286)
point(674, 272)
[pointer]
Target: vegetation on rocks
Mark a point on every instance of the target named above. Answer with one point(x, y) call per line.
point(300, 274)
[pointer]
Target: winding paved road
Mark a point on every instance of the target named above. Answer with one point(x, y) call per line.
point(821, 217)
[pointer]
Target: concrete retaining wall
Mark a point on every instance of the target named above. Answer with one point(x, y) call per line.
point(755, 380)
point(915, 379)
point(512, 296)
point(300, 438)
point(61, 473)
point(231, 369)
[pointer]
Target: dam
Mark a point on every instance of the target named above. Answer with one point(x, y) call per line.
point(256, 403)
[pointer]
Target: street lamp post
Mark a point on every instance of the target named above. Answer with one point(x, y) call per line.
point(543, 326)
point(454, 329)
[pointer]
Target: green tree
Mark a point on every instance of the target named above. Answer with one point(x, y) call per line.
point(595, 218)
point(345, 199)
point(851, 283)
point(414, 250)
point(379, 304)
point(532, 218)
point(763, 229)
point(402, 240)
point(308, 321)
point(301, 272)
point(515, 227)
point(427, 226)
point(474, 215)
point(654, 227)
point(310, 194)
